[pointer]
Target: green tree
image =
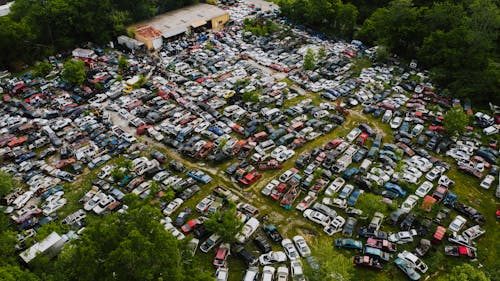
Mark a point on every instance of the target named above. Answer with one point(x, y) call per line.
point(309, 60)
point(42, 69)
point(74, 72)
point(122, 63)
point(455, 121)
point(6, 183)
point(128, 246)
point(251, 96)
point(321, 53)
point(333, 266)
point(225, 223)
point(15, 273)
point(464, 272)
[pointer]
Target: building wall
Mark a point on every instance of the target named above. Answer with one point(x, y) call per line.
point(150, 43)
point(218, 22)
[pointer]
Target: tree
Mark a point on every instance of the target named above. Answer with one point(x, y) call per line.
point(225, 223)
point(128, 246)
point(122, 63)
point(333, 266)
point(42, 69)
point(251, 96)
point(455, 121)
point(321, 54)
point(15, 273)
point(74, 72)
point(6, 183)
point(309, 60)
point(464, 272)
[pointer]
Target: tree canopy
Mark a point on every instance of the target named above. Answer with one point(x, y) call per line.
point(333, 266)
point(225, 223)
point(74, 72)
point(464, 272)
point(455, 121)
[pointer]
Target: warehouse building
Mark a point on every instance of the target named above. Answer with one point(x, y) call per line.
point(174, 23)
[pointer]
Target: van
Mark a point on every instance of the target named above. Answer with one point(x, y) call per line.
point(251, 274)
point(365, 165)
point(387, 116)
point(265, 146)
point(490, 130)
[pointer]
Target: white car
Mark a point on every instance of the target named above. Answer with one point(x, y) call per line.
point(317, 217)
point(419, 264)
point(335, 202)
point(290, 250)
point(409, 203)
point(22, 199)
point(222, 274)
point(172, 206)
point(457, 224)
point(335, 186)
point(487, 182)
point(435, 173)
point(396, 122)
point(297, 271)
point(248, 229)
point(281, 274)
point(105, 171)
point(204, 204)
point(285, 155)
point(277, 151)
point(269, 187)
point(268, 273)
point(423, 189)
point(286, 175)
point(272, 258)
point(402, 237)
point(335, 226)
point(353, 134)
point(302, 246)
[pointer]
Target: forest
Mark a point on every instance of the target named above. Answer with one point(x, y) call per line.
point(36, 29)
point(458, 41)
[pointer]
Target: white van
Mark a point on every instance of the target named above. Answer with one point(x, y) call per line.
point(490, 130)
point(365, 165)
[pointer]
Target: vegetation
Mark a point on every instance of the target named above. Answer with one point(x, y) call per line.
point(332, 265)
point(331, 17)
point(122, 63)
point(309, 60)
point(225, 223)
point(456, 121)
point(74, 72)
point(35, 29)
point(260, 27)
point(464, 272)
point(370, 203)
point(6, 183)
point(42, 69)
point(128, 246)
point(457, 40)
point(250, 96)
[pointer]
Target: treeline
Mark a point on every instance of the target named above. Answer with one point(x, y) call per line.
point(457, 40)
point(120, 246)
point(35, 29)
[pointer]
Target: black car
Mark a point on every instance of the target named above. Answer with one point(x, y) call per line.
point(407, 223)
point(245, 255)
point(177, 166)
point(47, 152)
point(189, 192)
point(302, 160)
point(367, 233)
point(261, 243)
point(470, 212)
point(232, 169)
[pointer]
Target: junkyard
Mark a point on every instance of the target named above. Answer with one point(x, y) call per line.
point(353, 152)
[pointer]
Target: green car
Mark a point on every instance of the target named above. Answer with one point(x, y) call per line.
point(348, 243)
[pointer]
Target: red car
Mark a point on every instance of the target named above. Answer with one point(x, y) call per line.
point(333, 144)
point(250, 178)
point(221, 255)
point(16, 142)
point(190, 225)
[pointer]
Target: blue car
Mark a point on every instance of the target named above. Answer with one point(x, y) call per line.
point(354, 197)
point(350, 173)
point(349, 243)
point(395, 188)
point(199, 176)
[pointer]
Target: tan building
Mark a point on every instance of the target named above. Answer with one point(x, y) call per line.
point(185, 20)
point(150, 36)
